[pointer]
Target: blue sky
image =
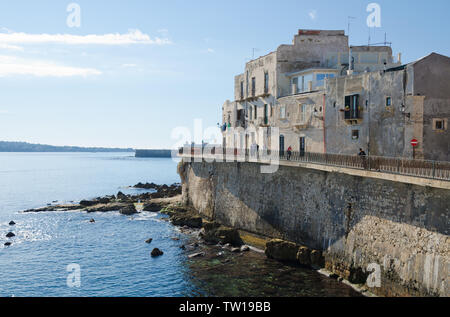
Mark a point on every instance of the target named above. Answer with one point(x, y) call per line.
point(136, 69)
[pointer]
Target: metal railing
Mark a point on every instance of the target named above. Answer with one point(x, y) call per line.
point(402, 166)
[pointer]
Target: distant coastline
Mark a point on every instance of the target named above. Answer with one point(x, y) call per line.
point(29, 147)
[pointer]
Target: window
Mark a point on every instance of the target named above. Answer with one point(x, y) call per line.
point(256, 112)
point(355, 134)
point(388, 101)
point(266, 114)
point(242, 90)
point(303, 113)
point(266, 83)
point(439, 125)
point(306, 80)
point(283, 112)
point(352, 107)
point(253, 86)
point(321, 77)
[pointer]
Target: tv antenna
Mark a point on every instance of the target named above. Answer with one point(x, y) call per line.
point(254, 50)
point(349, 22)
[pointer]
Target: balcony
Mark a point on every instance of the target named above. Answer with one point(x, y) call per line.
point(352, 111)
point(300, 123)
point(262, 122)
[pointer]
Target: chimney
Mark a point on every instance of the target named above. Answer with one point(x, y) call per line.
point(399, 58)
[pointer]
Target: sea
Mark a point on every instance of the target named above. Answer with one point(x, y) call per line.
point(63, 254)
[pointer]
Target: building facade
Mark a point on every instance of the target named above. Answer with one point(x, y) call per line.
point(324, 101)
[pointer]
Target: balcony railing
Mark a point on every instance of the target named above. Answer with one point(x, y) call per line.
point(437, 170)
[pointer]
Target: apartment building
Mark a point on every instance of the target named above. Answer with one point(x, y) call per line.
point(328, 97)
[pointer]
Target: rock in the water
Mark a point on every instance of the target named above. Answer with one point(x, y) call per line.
point(236, 250)
point(7, 244)
point(317, 259)
point(10, 235)
point(128, 210)
point(196, 255)
point(12, 223)
point(227, 246)
point(156, 252)
point(106, 207)
point(104, 200)
point(334, 276)
point(149, 241)
point(219, 234)
point(88, 203)
point(282, 250)
point(152, 207)
point(245, 248)
point(92, 221)
point(187, 220)
point(304, 256)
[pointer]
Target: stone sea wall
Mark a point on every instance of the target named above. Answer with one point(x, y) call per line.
point(364, 226)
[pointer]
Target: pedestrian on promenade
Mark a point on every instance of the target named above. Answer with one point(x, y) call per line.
point(289, 153)
point(363, 156)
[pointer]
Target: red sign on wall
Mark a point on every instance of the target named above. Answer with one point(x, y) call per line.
point(414, 142)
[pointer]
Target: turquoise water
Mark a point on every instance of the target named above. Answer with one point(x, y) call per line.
point(112, 255)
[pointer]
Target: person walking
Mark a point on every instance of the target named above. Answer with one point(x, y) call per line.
point(362, 154)
point(289, 153)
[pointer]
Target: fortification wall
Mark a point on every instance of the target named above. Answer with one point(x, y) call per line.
point(356, 221)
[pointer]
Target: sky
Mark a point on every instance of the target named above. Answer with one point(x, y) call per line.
point(132, 71)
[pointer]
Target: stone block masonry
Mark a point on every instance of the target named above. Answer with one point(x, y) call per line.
point(359, 223)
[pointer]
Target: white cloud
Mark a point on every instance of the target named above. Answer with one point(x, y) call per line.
point(129, 65)
point(211, 50)
point(132, 37)
point(312, 14)
point(11, 47)
point(17, 66)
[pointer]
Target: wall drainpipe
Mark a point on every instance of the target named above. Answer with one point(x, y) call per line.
point(324, 126)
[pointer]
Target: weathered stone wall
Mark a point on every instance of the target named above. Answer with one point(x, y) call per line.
point(357, 221)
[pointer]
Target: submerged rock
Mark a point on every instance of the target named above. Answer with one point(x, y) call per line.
point(148, 241)
point(12, 223)
point(156, 252)
point(10, 235)
point(7, 244)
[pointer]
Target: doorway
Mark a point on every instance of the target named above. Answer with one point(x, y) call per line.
point(281, 145)
point(302, 146)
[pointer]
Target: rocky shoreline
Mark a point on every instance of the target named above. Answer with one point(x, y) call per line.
point(209, 239)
